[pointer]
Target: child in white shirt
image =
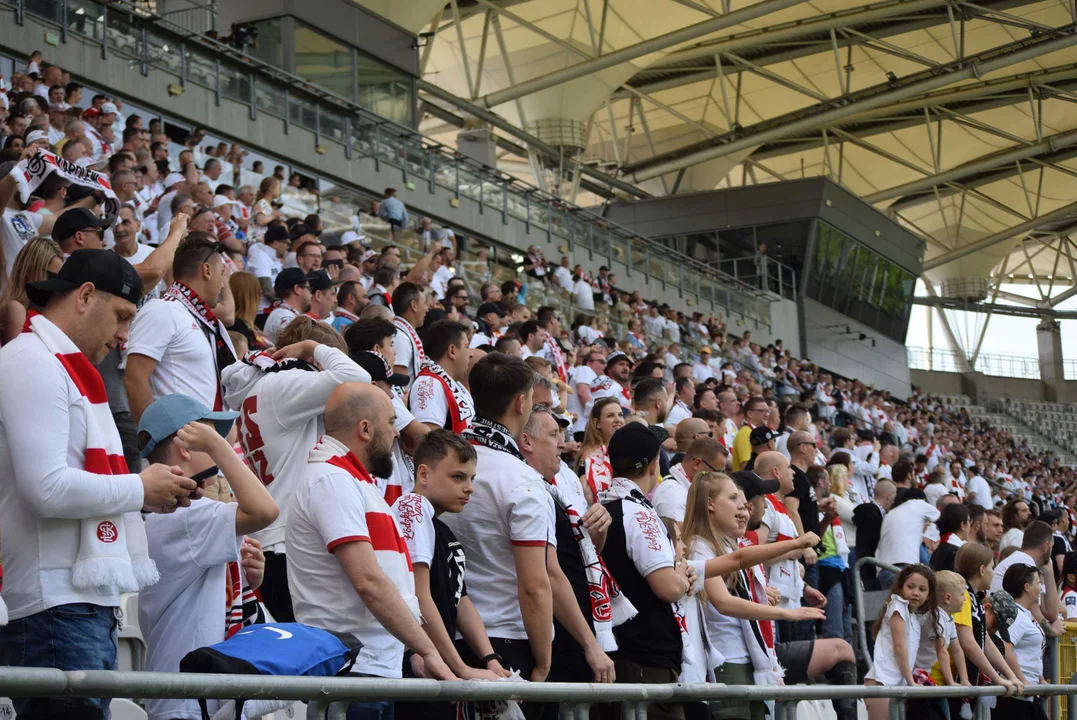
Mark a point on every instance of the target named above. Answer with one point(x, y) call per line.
point(898, 633)
point(1069, 586)
point(194, 546)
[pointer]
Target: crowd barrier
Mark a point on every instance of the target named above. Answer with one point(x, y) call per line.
point(329, 697)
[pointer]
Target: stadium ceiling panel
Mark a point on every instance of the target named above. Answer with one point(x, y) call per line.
point(956, 117)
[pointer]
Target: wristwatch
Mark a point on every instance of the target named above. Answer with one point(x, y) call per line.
point(492, 656)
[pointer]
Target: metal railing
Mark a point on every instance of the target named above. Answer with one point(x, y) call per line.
point(1011, 366)
point(329, 697)
point(765, 273)
point(152, 42)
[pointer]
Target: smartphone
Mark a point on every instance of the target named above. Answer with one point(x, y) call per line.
point(339, 264)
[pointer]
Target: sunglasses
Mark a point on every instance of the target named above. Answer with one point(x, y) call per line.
point(215, 249)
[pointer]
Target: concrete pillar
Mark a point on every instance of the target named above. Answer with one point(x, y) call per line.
point(974, 384)
point(1049, 342)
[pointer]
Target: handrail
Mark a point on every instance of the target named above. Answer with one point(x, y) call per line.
point(48, 682)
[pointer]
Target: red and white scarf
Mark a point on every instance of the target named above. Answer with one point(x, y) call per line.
point(609, 606)
point(785, 575)
point(242, 608)
point(461, 406)
point(418, 355)
point(224, 353)
point(598, 472)
point(758, 634)
point(558, 358)
point(113, 553)
point(342, 313)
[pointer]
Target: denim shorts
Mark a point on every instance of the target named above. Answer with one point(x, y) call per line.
point(77, 636)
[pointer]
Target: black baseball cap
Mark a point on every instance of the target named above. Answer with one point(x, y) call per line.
point(288, 279)
point(753, 486)
point(105, 269)
point(300, 229)
point(491, 307)
point(320, 280)
point(378, 368)
point(276, 233)
point(633, 447)
point(75, 220)
point(761, 435)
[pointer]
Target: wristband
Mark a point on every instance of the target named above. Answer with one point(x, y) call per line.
point(492, 656)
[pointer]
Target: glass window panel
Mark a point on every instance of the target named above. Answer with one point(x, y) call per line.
point(270, 98)
point(235, 84)
point(201, 69)
point(323, 61)
point(267, 47)
point(164, 54)
point(83, 17)
point(123, 35)
point(384, 90)
point(48, 9)
point(332, 124)
point(302, 112)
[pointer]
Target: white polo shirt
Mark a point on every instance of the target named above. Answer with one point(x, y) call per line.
point(1014, 558)
point(278, 320)
point(186, 358)
point(582, 411)
point(1028, 643)
point(509, 507)
point(671, 495)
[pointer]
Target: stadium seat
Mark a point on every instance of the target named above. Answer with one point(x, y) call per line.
point(122, 709)
point(132, 646)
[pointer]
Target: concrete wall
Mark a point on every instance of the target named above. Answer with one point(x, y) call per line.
point(950, 383)
point(885, 366)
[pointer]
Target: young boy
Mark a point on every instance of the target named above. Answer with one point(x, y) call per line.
point(939, 648)
point(444, 469)
point(200, 549)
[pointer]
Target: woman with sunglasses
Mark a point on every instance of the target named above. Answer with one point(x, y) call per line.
point(593, 466)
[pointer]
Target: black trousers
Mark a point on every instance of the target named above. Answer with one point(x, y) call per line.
point(515, 655)
point(274, 590)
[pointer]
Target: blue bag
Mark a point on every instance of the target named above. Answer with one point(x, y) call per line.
point(275, 649)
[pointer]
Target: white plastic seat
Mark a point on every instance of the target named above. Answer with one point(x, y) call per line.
point(123, 709)
point(131, 651)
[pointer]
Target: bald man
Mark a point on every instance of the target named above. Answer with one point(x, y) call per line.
point(671, 495)
point(689, 430)
point(348, 567)
point(376, 311)
point(784, 573)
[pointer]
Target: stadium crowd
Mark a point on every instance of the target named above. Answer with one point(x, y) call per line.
point(197, 394)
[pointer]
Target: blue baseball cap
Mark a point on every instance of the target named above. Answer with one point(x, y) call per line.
point(169, 413)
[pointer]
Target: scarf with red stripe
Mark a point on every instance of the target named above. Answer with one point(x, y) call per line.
point(342, 313)
point(598, 472)
point(758, 634)
point(558, 358)
point(609, 606)
point(242, 608)
point(461, 406)
point(113, 553)
point(224, 353)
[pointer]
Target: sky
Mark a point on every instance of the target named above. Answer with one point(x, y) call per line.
point(1011, 337)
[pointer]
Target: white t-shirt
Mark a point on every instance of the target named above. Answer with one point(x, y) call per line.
point(588, 335)
point(1014, 558)
point(509, 507)
point(185, 610)
point(1069, 604)
point(605, 386)
point(403, 475)
point(563, 276)
point(583, 294)
point(141, 253)
point(885, 670)
point(1011, 538)
point(902, 530)
point(570, 486)
point(671, 495)
point(186, 360)
point(927, 653)
point(723, 631)
point(576, 376)
point(262, 261)
point(427, 401)
point(164, 212)
point(331, 509)
point(440, 281)
point(679, 412)
point(278, 320)
point(18, 228)
point(415, 516)
point(1028, 643)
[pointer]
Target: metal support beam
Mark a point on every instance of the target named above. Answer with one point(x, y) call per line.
point(951, 339)
point(463, 47)
point(1067, 212)
point(632, 52)
point(987, 162)
point(829, 113)
point(524, 137)
point(429, 47)
point(1062, 297)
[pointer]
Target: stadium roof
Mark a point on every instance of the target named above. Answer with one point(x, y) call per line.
point(957, 118)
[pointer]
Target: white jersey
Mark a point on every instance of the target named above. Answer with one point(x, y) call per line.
point(581, 374)
point(281, 418)
point(605, 386)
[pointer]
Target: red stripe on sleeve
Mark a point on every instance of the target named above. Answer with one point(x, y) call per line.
point(345, 540)
point(529, 543)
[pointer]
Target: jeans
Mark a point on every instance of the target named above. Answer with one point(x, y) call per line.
point(838, 622)
point(371, 710)
point(77, 636)
point(886, 578)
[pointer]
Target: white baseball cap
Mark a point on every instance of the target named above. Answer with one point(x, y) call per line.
point(222, 200)
point(174, 178)
point(37, 136)
point(351, 236)
point(108, 107)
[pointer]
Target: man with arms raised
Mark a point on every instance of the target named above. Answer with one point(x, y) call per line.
point(438, 397)
point(281, 401)
point(506, 526)
point(348, 566)
point(69, 503)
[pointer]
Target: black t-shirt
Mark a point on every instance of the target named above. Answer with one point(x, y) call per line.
point(1060, 547)
point(809, 505)
point(447, 575)
point(571, 665)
